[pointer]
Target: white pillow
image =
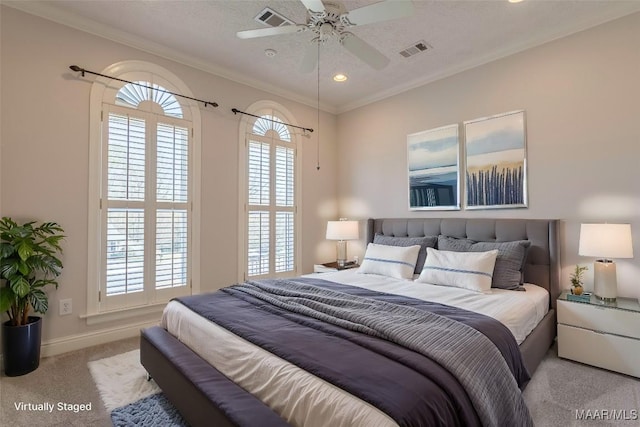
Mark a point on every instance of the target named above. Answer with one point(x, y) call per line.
point(468, 270)
point(392, 261)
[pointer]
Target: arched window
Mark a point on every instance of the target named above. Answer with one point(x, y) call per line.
point(270, 196)
point(143, 172)
point(132, 94)
point(268, 123)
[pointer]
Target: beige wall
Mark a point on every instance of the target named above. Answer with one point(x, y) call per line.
point(44, 169)
point(582, 100)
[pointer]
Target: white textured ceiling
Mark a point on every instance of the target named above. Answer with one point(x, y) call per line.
point(203, 34)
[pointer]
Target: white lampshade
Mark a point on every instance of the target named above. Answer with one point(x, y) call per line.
point(606, 240)
point(342, 230)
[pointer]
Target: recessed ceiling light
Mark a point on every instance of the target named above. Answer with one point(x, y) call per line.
point(515, 1)
point(270, 52)
point(340, 78)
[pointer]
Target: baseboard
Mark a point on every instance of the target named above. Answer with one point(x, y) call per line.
point(80, 341)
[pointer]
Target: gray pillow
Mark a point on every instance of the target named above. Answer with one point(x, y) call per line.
point(424, 242)
point(507, 273)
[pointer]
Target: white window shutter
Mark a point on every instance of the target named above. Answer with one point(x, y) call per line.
point(146, 231)
point(271, 200)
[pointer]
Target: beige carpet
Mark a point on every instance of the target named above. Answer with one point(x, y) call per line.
point(558, 389)
point(561, 388)
point(64, 378)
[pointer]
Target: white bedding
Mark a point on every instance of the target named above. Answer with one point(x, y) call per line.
point(518, 311)
point(304, 399)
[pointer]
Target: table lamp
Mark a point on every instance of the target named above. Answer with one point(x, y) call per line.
point(605, 241)
point(342, 231)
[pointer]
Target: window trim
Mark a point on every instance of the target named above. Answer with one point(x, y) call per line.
point(100, 89)
point(246, 128)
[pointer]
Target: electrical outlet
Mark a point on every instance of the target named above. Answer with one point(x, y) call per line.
point(65, 307)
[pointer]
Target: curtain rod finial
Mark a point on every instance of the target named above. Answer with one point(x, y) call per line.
point(76, 68)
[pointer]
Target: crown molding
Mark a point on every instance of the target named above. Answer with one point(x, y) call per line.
point(51, 13)
point(46, 11)
point(628, 9)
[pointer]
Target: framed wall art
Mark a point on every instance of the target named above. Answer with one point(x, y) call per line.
point(496, 162)
point(433, 162)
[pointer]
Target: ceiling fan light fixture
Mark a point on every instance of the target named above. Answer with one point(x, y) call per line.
point(340, 78)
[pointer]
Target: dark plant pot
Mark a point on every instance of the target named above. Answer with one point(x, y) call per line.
point(21, 347)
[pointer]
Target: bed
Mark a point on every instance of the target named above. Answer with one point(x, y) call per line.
point(207, 397)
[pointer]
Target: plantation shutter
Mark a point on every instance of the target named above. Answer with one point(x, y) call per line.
point(285, 225)
point(271, 204)
point(259, 177)
point(172, 165)
point(125, 204)
point(146, 208)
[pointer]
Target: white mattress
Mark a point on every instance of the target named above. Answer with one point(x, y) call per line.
point(303, 399)
point(518, 311)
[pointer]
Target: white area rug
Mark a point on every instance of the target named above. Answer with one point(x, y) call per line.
point(121, 379)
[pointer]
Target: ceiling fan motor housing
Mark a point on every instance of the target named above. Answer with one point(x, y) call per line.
point(331, 22)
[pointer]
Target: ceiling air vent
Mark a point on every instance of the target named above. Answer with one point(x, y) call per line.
point(271, 18)
point(416, 48)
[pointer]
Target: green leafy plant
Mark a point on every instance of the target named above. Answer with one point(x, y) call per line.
point(28, 262)
point(576, 276)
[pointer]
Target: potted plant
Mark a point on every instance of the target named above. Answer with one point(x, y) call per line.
point(28, 262)
point(576, 280)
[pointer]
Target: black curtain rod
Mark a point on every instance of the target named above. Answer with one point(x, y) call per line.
point(236, 111)
point(83, 71)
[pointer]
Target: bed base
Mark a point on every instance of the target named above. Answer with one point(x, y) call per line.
point(534, 348)
point(196, 388)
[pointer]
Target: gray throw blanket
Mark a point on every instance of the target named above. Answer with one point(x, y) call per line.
point(462, 350)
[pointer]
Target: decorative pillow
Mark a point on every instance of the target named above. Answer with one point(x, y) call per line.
point(468, 270)
point(509, 264)
point(392, 261)
point(424, 242)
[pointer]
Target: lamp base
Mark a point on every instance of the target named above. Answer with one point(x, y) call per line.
point(341, 253)
point(604, 280)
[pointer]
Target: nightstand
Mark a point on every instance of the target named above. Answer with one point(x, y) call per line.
point(603, 334)
point(333, 266)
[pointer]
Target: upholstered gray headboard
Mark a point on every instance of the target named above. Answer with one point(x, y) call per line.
point(542, 266)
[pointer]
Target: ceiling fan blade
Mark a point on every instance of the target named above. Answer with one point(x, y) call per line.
point(313, 5)
point(310, 59)
point(364, 51)
point(263, 32)
point(383, 11)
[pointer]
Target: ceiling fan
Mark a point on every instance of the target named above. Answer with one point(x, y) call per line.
point(331, 19)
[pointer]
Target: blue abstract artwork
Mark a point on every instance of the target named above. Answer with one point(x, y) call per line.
point(433, 159)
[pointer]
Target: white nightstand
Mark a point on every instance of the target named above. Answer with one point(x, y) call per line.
point(601, 334)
